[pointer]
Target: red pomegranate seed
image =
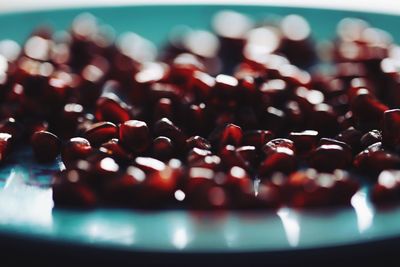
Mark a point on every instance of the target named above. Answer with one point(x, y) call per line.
point(324, 120)
point(391, 128)
point(167, 128)
point(327, 158)
point(114, 149)
point(375, 159)
point(12, 127)
point(196, 154)
point(149, 165)
point(257, 138)
point(387, 188)
point(163, 109)
point(351, 136)
point(212, 162)
point(101, 132)
point(125, 190)
point(304, 142)
point(231, 158)
point(163, 148)
point(5, 145)
point(239, 187)
point(198, 142)
point(371, 138)
point(306, 190)
point(277, 144)
point(281, 160)
point(367, 110)
point(70, 191)
point(134, 135)
point(104, 168)
point(268, 196)
point(46, 146)
point(76, 148)
point(248, 154)
point(108, 108)
point(201, 84)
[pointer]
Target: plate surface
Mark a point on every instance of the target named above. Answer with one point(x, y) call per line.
point(26, 207)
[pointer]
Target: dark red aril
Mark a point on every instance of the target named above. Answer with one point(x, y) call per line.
point(162, 148)
point(370, 138)
point(391, 128)
point(101, 132)
point(74, 149)
point(148, 164)
point(114, 149)
point(351, 136)
point(198, 142)
point(304, 142)
point(134, 135)
point(11, 126)
point(327, 158)
point(46, 146)
point(230, 158)
point(5, 145)
point(387, 188)
point(257, 138)
point(375, 159)
point(167, 128)
point(109, 107)
point(276, 144)
point(70, 191)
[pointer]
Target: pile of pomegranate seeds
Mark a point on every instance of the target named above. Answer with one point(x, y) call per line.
point(249, 116)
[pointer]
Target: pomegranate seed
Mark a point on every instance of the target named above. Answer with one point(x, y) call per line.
point(281, 160)
point(163, 148)
point(387, 188)
point(278, 144)
point(327, 158)
point(374, 160)
point(202, 191)
point(12, 127)
point(110, 108)
point(230, 134)
point(304, 142)
point(268, 196)
point(231, 158)
point(198, 142)
point(391, 128)
point(256, 138)
point(239, 186)
point(134, 135)
point(371, 138)
point(114, 149)
point(104, 168)
point(248, 154)
point(46, 146)
point(351, 136)
point(70, 191)
point(76, 148)
point(101, 132)
point(367, 110)
point(5, 145)
point(212, 162)
point(125, 190)
point(196, 154)
point(149, 165)
point(167, 128)
point(163, 109)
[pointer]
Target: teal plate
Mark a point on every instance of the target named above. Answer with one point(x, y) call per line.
point(26, 206)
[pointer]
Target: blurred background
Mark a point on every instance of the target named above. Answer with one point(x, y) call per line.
point(390, 6)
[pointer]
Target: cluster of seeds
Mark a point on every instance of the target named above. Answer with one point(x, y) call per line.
point(251, 115)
